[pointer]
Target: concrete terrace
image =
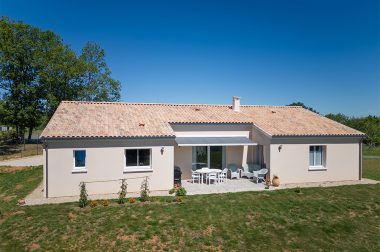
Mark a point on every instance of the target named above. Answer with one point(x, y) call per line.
point(231, 186)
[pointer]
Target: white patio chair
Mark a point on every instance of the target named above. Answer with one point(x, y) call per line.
point(260, 174)
point(234, 171)
point(212, 176)
point(223, 175)
point(246, 171)
point(195, 176)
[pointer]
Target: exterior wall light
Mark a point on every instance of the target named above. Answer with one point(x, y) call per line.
point(280, 148)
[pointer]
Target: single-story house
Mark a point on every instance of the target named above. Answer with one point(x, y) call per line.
point(102, 142)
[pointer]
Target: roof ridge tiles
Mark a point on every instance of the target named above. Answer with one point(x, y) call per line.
point(179, 104)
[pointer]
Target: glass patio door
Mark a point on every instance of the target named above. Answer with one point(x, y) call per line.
point(200, 157)
point(208, 156)
point(216, 157)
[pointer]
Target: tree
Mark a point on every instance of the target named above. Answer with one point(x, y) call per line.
point(38, 71)
point(370, 125)
point(18, 76)
point(97, 82)
point(60, 73)
point(302, 105)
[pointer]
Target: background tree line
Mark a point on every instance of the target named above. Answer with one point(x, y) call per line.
point(38, 71)
point(370, 125)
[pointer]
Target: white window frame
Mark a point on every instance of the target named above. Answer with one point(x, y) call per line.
point(323, 158)
point(138, 168)
point(80, 169)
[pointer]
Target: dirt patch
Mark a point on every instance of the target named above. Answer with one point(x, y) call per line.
point(72, 216)
point(13, 169)
point(154, 240)
point(64, 237)
point(34, 246)
point(19, 186)
point(19, 212)
point(209, 230)
point(121, 236)
point(7, 197)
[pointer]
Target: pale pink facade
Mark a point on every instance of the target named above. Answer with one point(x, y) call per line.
point(105, 159)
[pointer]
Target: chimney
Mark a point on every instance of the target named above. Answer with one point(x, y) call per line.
point(236, 103)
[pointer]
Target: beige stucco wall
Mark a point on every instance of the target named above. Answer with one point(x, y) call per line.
point(105, 161)
point(211, 130)
point(183, 159)
point(234, 155)
point(261, 138)
point(291, 164)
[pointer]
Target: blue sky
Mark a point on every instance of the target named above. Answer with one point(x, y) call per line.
point(323, 53)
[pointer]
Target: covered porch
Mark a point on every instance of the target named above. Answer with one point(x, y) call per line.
point(193, 153)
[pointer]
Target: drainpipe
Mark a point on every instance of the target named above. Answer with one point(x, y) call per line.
point(361, 158)
point(46, 173)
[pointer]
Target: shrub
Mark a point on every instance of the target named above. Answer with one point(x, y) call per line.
point(171, 191)
point(105, 202)
point(178, 199)
point(83, 201)
point(181, 191)
point(123, 192)
point(144, 192)
point(131, 200)
point(297, 190)
point(7, 136)
point(93, 203)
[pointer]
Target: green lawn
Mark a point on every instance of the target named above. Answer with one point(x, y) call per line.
point(340, 218)
point(374, 151)
point(371, 168)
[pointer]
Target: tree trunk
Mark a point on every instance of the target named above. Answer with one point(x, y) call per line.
point(30, 134)
point(21, 134)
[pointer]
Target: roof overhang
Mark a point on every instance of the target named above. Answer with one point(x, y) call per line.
point(214, 141)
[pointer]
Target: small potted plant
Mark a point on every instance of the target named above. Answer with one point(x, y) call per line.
point(275, 181)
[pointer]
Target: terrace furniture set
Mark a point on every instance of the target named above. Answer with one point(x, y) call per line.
point(218, 176)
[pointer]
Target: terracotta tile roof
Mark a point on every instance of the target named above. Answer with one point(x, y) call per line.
point(104, 120)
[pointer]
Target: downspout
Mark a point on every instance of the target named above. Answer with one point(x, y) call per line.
point(46, 170)
point(361, 158)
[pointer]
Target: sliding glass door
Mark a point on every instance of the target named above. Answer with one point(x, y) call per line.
point(216, 157)
point(208, 156)
point(200, 157)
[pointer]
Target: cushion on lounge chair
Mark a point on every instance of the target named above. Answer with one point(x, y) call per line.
point(232, 167)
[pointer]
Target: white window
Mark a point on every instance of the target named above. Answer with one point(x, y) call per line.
point(316, 157)
point(137, 160)
point(79, 161)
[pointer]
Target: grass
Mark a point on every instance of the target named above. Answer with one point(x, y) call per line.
point(8, 152)
point(374, 151)
point(371, 168)
point(336, 218)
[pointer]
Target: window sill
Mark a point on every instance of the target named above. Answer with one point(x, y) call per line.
point(81, 170)
point(317, 168)
point(137, 169)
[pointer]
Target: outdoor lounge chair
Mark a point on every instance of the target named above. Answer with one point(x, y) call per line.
point(234, 171)
point(260, 175)
point(249, 169)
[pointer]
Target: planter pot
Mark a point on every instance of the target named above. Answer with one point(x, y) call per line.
point(275, 181)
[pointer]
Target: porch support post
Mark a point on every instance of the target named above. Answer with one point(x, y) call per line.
point(245, 155)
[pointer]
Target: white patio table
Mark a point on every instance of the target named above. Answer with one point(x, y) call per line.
point(206, 170)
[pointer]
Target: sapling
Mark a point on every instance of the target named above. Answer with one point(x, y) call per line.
point(123, 192)
point(83, 201)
